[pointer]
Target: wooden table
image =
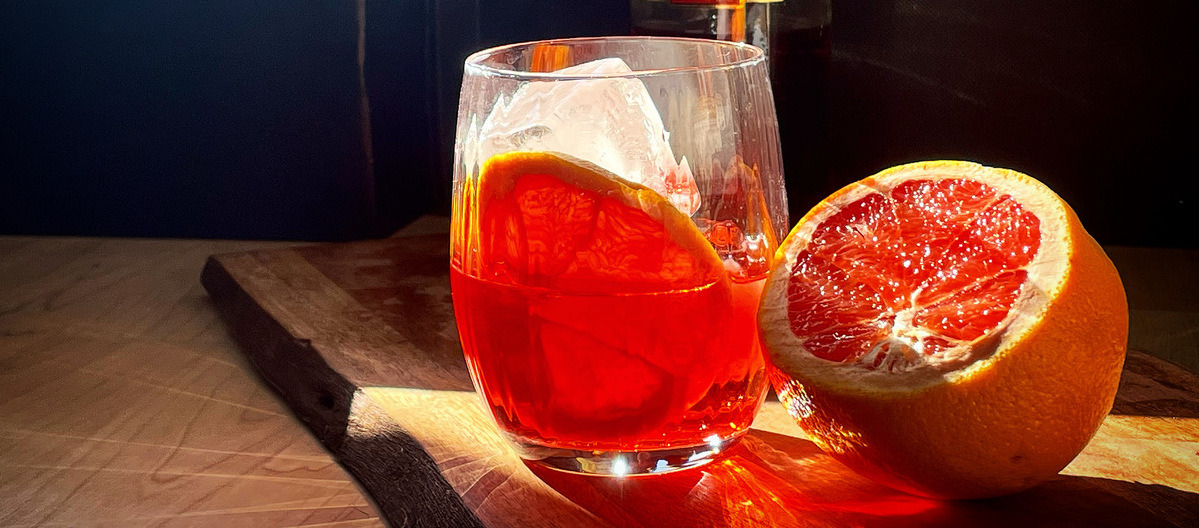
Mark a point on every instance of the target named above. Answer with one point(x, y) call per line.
point(125, 402)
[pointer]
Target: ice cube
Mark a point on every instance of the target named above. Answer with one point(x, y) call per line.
point(611, 122)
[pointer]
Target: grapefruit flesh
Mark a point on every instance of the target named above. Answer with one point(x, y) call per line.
point(945, 328)
point(897, 278)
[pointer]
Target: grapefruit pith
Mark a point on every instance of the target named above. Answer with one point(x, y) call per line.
point(945, 328)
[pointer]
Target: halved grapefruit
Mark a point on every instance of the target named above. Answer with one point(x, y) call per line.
point(945, 328)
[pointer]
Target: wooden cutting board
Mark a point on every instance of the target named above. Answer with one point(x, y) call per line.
point(359, 340)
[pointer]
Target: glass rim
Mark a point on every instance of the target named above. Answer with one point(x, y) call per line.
point(474, 62)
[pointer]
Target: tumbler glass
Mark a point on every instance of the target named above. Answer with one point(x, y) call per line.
point(617, 203)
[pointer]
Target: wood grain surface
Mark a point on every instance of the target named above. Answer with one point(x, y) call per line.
point(359, 340)
point(124, 402)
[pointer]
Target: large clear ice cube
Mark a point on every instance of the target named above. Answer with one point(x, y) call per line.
point(611, 122)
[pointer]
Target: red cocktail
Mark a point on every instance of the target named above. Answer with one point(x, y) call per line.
point(606, 292)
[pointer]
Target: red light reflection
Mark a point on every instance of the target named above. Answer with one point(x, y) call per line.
point(766, 480)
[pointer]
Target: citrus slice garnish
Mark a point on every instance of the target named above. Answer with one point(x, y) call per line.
point(553, 221)
point(946, 328)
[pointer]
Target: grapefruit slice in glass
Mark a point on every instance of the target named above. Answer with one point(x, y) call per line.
point(554, 221)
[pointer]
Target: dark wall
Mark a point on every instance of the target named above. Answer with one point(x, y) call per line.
point(255, 119)
point(243, 119)
point(174, 118)
point(1096, 99)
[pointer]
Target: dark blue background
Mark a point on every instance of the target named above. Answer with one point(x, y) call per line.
point(241, 119)
point(244, 119)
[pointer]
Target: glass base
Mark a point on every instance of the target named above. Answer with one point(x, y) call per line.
point(626, 463)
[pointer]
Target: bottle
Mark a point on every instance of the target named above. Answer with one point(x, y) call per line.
point(795, 36)
point(758, 15)
point(712, 19)
point(799, 29)
point(800, 55)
